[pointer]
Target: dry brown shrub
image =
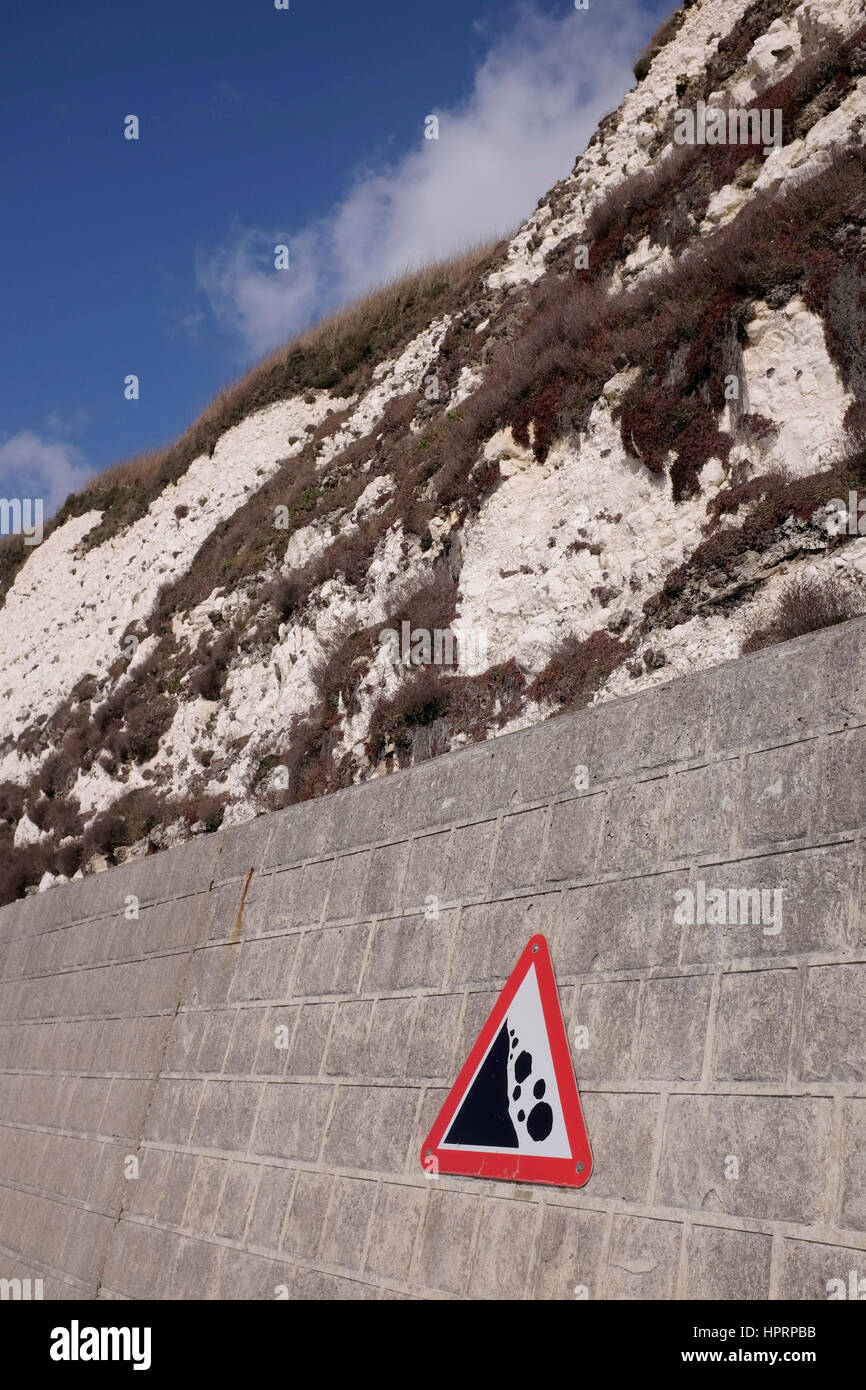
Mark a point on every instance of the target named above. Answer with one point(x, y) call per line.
point(662, 36)
point(578, 668)
point(808, 604)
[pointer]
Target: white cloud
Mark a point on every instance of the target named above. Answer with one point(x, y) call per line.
point(537, 98)
point(73, 423)
point(31, 466)
point(263, 306)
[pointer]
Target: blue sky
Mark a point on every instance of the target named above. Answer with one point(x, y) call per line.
point(257, 126)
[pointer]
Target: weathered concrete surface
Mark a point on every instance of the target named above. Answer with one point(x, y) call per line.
point(711, 1048)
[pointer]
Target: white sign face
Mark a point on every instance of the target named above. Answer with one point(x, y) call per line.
point(512, 1102)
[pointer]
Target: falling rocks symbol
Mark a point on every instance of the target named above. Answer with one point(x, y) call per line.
point(514, 1111)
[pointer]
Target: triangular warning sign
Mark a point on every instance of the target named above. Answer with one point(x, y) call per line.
point(514, 1111)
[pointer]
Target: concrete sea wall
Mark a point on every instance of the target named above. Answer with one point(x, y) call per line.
point(155, 1142)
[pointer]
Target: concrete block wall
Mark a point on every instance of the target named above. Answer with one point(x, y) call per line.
point(369, 934)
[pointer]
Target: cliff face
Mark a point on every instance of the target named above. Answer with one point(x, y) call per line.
point(599, 455)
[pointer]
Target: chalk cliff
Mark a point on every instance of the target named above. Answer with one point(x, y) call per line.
point(604, 453)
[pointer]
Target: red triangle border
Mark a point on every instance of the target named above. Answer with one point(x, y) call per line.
point(511, 1167)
